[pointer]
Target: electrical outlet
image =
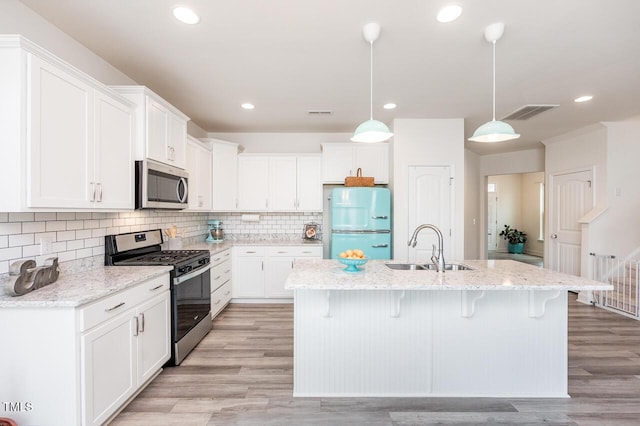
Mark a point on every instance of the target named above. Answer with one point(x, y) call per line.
point(46, 245)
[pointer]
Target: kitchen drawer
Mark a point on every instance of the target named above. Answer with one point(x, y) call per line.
point(220, 298)
point(295, 251)
point(220, 274)
point(111, 306)
point(220, 257)
point(249, 251)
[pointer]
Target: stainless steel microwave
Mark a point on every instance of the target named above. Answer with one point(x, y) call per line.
point(159, 186)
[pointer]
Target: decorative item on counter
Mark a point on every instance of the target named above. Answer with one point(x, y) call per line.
point(173, 241)
point(310, 231)
point(216, 233)
point(25, 276)
point(358, 179)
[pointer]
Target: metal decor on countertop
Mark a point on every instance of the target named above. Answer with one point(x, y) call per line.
point(25, 276)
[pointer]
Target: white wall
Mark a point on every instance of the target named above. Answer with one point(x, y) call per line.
point(16, 18)
point(427, 142)
point(471, 205)
point(282, 142)
point(617, 230)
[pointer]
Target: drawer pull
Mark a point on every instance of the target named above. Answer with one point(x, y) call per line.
point(216, 259)
point(249, 251)
point(217, 278)
point(156, 287)
point(217, 302)
point(114, 307)
point(136, 331)
point(282, 252)
point(227, 293)
point(309, 252)
point(227, 254)
point(227, 271)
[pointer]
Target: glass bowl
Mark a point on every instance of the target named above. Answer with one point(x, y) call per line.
point(352, 264)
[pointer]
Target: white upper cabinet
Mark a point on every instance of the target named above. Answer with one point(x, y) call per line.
point(67, 139)
point(280, 183)
point(225, 175)
point(340, 160)
point(199, 167)
point(161, 129)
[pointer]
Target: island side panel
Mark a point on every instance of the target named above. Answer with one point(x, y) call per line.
point(500, 351)
point(429, 343)
point(360, 348)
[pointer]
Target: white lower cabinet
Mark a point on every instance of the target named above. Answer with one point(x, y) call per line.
point(261, 272)
point(79, 365)
point(220, 281)
point(122, 353)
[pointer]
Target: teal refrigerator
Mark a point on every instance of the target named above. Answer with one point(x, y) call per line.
point(361, 219)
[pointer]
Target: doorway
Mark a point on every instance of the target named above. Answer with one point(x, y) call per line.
point(516, 200)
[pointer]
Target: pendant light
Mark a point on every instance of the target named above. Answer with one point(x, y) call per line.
point(371, 130)
point(494, 131)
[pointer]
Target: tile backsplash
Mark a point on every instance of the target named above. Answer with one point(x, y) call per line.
point(80, 235)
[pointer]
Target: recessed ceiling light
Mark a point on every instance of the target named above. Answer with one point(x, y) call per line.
point(186, 15)
point(449, 13)
point(247, 105)
point(390, 105)
point(584, 98)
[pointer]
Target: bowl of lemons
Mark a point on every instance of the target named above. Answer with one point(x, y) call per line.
point(353, 259)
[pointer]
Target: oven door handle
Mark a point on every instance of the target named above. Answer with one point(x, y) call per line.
point(190, 275)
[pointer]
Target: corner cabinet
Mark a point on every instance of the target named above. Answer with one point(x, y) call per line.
point(279, 183)
point(340, 160)
point(68, 139)
point(161, 129)
point(199, 167)
point(96, 356)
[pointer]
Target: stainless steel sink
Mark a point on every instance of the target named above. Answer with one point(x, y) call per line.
point(427, 267)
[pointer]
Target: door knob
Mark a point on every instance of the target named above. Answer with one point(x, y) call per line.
point(554, 236)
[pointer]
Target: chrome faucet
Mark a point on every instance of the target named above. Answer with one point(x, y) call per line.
point(439, 259)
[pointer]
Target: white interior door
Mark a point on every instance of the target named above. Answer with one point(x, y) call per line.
point(492, 220)
point(570, 199)
point(429, 202)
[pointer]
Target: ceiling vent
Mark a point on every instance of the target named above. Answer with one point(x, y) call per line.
point(528, 111)
point(319, 112)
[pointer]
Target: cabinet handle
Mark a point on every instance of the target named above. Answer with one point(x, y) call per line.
point(142, 322)
point(262, 265)
point(216, 259)
point(227, 293)
point(99, 192)
point(93, 191)
point(267, 203)
point(236, 203)
point(292, 264)
point(249, 251)
point(307, 252)
point(156, 287)
point(217, 301)
point(282, 252)
point(227, 271)
point(135, 332)
point(217, 278)
point(114, 307)
point(227, 254)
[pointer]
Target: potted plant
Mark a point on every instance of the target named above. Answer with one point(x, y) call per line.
point(515, 238)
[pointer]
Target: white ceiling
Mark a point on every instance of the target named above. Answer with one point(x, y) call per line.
point(291, 56)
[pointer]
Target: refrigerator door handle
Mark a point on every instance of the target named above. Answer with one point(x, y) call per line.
point(380, 245)
point(379, 217)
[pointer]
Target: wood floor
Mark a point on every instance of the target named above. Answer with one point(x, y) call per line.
point(241, 374)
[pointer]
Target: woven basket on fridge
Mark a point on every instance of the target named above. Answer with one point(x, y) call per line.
point(358, 180)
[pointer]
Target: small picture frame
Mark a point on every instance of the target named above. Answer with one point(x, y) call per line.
point(310, 231)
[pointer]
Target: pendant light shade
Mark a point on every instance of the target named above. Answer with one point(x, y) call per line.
point(494, 131)
point(371, 130)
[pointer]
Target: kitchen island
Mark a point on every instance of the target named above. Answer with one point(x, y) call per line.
point(498, 330)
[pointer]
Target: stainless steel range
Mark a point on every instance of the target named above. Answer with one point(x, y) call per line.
point(190, 284)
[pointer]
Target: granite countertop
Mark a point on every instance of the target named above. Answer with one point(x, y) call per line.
point(326, 274)
point(218, 247)
point(76, 289)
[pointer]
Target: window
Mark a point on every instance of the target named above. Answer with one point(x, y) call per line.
point(491, 187)
point(541, 217)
